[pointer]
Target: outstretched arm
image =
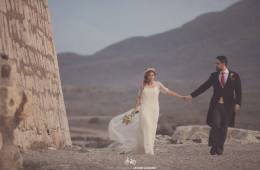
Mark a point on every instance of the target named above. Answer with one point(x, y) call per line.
point(167, 91)
point(205, 86)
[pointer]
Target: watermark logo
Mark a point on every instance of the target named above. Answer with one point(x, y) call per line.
point(130, 161)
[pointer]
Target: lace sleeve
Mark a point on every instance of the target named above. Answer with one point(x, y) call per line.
point(140, 89)
point(163, 89)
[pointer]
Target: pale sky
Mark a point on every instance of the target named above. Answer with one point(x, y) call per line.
point(86, 26)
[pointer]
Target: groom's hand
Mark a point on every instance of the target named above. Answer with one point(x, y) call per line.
point(237, 108)
point(188, 97)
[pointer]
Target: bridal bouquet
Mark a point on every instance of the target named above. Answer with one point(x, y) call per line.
point(128, 118)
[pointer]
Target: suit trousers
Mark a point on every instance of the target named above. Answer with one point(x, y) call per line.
point(218, 131)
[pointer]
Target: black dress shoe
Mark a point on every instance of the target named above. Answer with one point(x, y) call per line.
point(219, 151)
point(213, 151)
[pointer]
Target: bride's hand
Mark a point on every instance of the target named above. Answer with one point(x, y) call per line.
point(183, 97)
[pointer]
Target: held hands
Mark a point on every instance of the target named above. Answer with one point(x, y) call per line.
point(182, 97)
point(187, 98)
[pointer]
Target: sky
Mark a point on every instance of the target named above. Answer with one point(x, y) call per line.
point(86, 26)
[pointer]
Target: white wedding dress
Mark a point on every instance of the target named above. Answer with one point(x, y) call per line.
point(139, 135)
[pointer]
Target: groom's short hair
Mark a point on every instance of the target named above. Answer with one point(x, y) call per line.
point(222, 59)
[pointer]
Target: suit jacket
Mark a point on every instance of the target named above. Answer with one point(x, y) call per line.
point(232, 94)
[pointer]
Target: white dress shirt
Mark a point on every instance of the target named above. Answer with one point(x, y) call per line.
point(226, 71)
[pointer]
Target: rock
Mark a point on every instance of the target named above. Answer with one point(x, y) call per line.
point(94, 120)
point(84, 150)
point(243, 136)
point(199, 134)
point(189, 134)
point(162, 139)
point(165, 129)
point(75, 147)
point(52, 148)
point(11, 158)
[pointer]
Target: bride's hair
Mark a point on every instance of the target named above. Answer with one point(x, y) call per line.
point(146, 76)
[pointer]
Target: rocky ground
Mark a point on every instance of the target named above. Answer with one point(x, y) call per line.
point(167, 156)
point(186, 149)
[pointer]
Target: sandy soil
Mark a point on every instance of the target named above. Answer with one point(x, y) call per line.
point(167, 157)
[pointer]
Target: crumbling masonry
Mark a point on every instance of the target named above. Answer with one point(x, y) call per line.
point(32, 110)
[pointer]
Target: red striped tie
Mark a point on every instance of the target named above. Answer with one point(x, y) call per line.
point(222, 79)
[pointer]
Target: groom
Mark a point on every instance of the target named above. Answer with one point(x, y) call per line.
point(225, 102)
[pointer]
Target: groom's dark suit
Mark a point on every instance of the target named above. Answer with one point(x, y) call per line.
point(221, 115)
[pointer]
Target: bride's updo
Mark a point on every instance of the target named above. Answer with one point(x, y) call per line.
point(147, 71)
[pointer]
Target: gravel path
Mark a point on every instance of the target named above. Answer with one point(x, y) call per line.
point(167, 157)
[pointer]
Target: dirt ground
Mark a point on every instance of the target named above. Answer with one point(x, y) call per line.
point(167, 157)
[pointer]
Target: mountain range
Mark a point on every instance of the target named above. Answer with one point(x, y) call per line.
point(184, 57)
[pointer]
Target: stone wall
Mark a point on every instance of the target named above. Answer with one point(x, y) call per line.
point(26, 38)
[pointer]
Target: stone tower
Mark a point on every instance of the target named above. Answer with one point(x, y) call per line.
point(26, 41)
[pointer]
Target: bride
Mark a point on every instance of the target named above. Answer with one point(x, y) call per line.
point(134, 130)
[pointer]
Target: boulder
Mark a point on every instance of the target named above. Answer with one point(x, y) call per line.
point(199, 134)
